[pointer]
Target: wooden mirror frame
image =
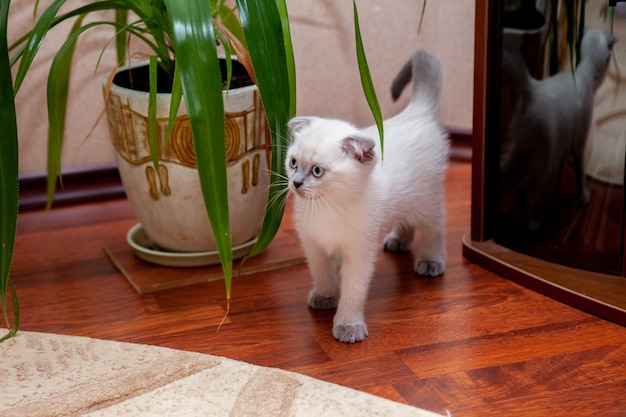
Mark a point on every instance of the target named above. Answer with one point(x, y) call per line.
point(603, 295)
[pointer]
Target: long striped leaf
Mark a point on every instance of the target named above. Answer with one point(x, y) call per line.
point(177, 96)
point(8, 178)
point(196, 57)
point(152, 112)
point(58, 86)
point(121, 18)
point(231, 22)
point(289, 57)
point(419, 26)
point(267, 37)
point(44, 23)
point(49, 19)
point(366, 79)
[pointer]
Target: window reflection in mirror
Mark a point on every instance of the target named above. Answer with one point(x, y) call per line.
point(563, 131)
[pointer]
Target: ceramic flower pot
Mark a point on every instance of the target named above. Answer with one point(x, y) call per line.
point(168, 202)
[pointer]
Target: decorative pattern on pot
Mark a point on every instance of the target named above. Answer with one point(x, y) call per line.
point(168, 202)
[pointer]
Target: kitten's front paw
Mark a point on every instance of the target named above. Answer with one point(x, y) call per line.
point(350, 333)
point(429, 268)
point(321, 302)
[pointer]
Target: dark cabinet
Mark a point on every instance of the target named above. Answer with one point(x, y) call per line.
point(549, 149)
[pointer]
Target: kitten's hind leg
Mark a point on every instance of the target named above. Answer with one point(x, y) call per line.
point(399, 239)
point(431, 259)
point(325, 292)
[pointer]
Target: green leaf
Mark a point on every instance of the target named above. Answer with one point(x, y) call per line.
point(192, 31)
point(8, 178)
point(268, 41)
point(121, 18)
point(176, 98)
point(231, 22)
point(289, 56)
point(44, 23)
point(228, 52)
point(419, 27)
point(366, 79)
point(58, 86)
point(152, 112)
point(49, 19)
point(14, 328)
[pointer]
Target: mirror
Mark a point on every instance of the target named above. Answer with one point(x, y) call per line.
point(562, 131)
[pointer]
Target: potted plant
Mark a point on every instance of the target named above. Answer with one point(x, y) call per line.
point(160, 175)
point(175, 31)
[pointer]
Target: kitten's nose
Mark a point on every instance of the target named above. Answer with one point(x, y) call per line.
point(297, 183)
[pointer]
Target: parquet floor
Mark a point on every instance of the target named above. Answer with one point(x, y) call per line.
point(471, 343)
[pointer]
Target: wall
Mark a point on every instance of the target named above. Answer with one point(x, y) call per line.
point(86, 104)
point(328, 80)
point(327, 76)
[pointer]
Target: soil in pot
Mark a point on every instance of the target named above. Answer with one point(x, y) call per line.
point(136, 78)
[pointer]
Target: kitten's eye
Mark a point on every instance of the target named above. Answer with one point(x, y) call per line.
point(317, 171)
point(293, 163)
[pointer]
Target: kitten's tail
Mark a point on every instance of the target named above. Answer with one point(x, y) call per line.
point(425, 72)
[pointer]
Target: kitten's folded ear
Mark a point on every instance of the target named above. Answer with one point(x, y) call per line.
point(360, 148)
point(298, 123)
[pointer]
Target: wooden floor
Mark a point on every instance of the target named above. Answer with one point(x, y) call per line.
point(471, 343)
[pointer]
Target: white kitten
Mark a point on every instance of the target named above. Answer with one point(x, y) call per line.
point(346, 196)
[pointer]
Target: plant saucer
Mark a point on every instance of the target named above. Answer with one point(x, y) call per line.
point(149, 251)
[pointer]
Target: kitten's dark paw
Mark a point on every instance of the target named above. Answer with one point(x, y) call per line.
point(586, 195)
point(350, 333)
point(321, 302)
point(393, 244)
point(430, 268)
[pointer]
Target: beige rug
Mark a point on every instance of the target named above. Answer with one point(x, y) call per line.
point(52, 375)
